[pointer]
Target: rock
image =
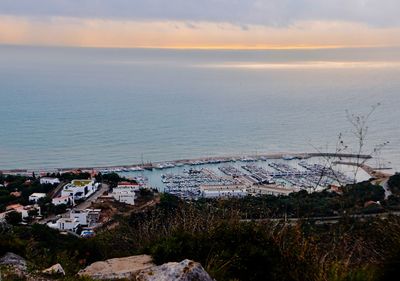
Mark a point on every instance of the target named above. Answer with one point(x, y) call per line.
point(15, 261)
point(118, 268)
point(186, 270)
point(55, 269)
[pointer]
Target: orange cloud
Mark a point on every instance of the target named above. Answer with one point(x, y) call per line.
point(177, 34)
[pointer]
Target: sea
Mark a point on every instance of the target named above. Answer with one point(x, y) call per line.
point(78, 107)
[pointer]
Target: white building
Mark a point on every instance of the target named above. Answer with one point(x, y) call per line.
point(86, 217)
point(128, 185)
point(34, 197)
point(48, 180)
point(65, 224)
point(79, 216)
point(79, 189)
point(125, 193)
point(217, 191)
point(224, 193)
point(270, 190)
point(67, 200)
point(23, 210)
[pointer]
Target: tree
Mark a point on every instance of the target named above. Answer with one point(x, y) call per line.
point(394, 184)
point(33, 213)
point(14, 218)
point(359, 130)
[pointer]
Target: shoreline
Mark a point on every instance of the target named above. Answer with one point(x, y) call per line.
point(226, 158)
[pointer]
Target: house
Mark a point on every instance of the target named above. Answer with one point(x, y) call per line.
point(66, 224)
point(79, 216)
point(128, 185)
point(125, 197)
point(48, 180)
point(93, 216)
point(34, 197)
point(86, 217)
point(125, 193)
point(67, 200)
point(79, 189)
point(23, 210)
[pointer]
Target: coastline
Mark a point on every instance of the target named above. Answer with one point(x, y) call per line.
point(191, 161)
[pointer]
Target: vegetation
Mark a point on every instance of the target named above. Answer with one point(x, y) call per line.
point(394, 184)
point(112, 178)
point(69, 176)
point(13, 218)
point(23, 186)
point(227, 238)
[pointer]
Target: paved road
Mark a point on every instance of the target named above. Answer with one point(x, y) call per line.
point(86, 204)
point(56, 192)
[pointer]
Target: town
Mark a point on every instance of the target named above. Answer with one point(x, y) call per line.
point(73, 201)
point(62, 202)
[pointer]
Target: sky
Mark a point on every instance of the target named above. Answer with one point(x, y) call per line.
point(201, 23)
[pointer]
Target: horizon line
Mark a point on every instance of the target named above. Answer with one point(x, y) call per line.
point(227, 48)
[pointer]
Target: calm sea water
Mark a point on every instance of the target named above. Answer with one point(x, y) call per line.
point(62, 107)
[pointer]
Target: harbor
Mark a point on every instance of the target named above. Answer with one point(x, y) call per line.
point(250, 175)
point(276, 174)
point(192, 162)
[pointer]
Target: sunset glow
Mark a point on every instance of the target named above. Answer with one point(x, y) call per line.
point(62, 31)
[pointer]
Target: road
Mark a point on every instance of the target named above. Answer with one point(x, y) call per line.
point(322, 220)
point(82, 206)
point(56, 192)
point(86, 204)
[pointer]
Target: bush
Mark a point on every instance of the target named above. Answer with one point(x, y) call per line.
point(394, 184)
point(231, 251)
point(13, 218)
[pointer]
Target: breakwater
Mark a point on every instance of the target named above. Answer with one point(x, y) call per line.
point(192, 161)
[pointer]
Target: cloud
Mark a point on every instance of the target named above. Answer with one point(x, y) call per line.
point(205, 23)
point(276, 13)
point(179, 34)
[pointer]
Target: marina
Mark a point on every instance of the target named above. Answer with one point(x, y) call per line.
point(241, 176)
point(277, 174)
point(192, 162)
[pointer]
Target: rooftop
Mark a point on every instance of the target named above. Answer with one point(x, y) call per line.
point(37, 194)
point(14, 206)
point(81, 182)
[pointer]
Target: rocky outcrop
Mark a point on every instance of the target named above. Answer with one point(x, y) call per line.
point(55, 269)
point(186, 270)
point(14, 261)
point(118, 268)
point(141, 268)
